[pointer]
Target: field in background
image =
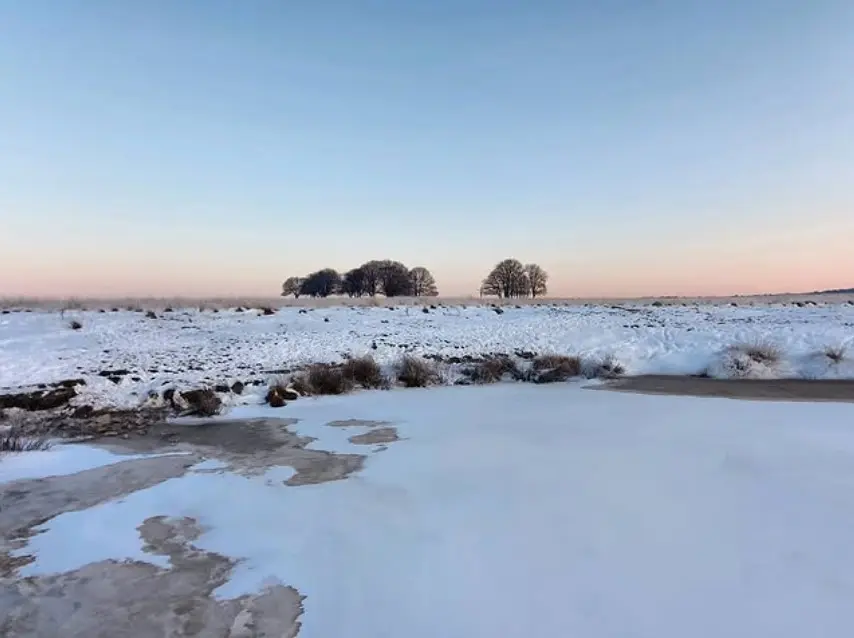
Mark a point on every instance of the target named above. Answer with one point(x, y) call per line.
point(221, 303)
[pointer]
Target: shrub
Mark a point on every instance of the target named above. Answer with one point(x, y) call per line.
point(492, 369)
point(364, 371)
point(748, 360)
point(605, 368)
point(322, 378)
point(75, 325)
point(414, 372)
point(201, 402)
point(571, 365)
point(12, 441)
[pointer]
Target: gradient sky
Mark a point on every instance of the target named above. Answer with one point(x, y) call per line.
point(213, 147)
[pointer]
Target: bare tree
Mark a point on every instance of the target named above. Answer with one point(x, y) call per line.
point(507, 279)
point(537, 279)
point(422, 283)
point(292, 286)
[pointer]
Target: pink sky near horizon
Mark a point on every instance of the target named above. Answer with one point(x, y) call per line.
point(799, 260)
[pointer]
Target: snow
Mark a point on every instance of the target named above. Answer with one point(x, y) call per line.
point(60, 460)
point(520, 510)
point(187, 348)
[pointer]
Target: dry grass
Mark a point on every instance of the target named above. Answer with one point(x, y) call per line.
point(322, 378)
point(605, 368)
point(759, 352)
point(11, 441)
point(366, 372)
point(221, 303)
point(835, 353)
point(570, 365)
point(414, 372)
point(492, 369)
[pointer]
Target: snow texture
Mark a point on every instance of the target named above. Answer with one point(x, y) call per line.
point(519, 510)
point(189, 348)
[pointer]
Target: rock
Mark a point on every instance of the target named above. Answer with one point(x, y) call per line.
point(288, 394)
point(237, 387)
point(169, 395)
point(221, 387)
point(113, 373)
point(69, 383)
point(202, 402)
point(498, 310)
point(150, 315)
point(83, 412)
point(39, 400)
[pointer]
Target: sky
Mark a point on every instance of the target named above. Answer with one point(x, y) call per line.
point(630, 147)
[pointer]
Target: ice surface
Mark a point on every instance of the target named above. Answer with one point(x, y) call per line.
point(59, 461)
point(188, 348)
point(519, 510)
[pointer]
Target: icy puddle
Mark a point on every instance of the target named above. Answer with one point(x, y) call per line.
point(517, 511)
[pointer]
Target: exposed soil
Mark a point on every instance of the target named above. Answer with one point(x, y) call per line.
point(113, 599)
point(756, 389)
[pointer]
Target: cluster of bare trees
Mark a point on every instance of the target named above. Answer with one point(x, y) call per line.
point(386, 277)
point(510, 278)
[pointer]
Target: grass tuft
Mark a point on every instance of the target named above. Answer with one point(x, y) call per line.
point(491, 370)
point(12, 441)
point(322, 378)
point(364, 371)
point(835, 353)
point(414, 372)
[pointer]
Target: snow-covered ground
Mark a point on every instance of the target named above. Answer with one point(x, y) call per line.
point(522, 510)
point(187, 348)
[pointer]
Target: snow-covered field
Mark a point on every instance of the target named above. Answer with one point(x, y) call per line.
point(526, 510)
point(188, 348)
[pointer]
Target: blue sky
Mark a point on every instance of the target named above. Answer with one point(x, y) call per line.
point(630, 147)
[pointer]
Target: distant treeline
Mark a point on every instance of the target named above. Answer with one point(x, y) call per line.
point(377, 277)
point(508, 279)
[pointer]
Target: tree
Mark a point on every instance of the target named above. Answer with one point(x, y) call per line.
point(353, 283)
point(321, 283)
point(292, 286)
point(507, 279)
point(421, 282)
point(394, 279)
point(537, 278)
point(371, 281)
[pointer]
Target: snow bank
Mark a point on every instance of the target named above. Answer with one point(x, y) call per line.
point(191, 348)
point(526, 510)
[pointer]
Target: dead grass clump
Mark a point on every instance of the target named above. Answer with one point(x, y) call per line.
point(571, 365)
point(605, 368)
point(12, 441)
point(322, 378)
point(759, 352)
point(492, 370)
point(835, 353)
point(365, 371)
point(414, 372)
point(75, 325)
